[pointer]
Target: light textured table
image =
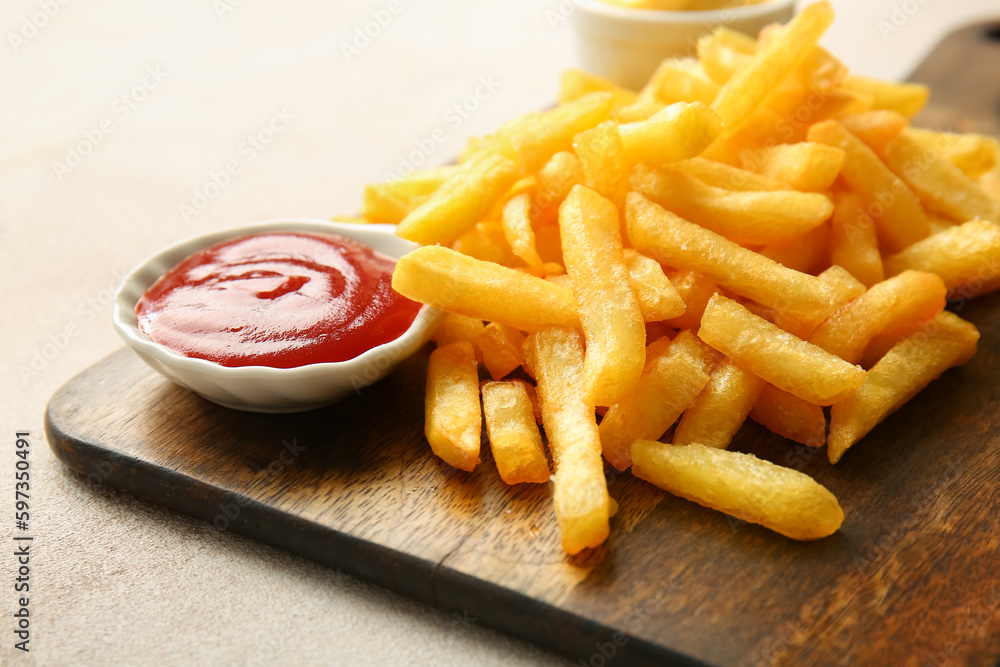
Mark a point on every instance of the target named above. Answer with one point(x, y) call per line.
point(120, 120)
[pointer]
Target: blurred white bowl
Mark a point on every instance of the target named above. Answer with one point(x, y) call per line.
point(626, 45)
point(261, 388)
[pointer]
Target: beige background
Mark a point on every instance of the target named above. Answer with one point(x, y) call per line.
point(119, 581)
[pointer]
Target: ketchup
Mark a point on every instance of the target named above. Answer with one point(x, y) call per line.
point(277, 299)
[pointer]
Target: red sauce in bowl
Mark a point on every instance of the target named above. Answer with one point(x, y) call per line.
point(277, 299)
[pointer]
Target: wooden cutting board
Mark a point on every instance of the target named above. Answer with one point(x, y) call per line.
point(912, 577)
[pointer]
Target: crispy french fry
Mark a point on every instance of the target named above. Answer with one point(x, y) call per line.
point(658, 298)
point(940, 184)
point(517, 230)
point(514, 437)
point(678, 132)
point(974, 154)
point(461, 201)
point(911, 365)
point(501, 349)
point(853, 240)
point(777, 356)
point(695, 290)
point(808, 253)
point(535, 137)
point(741, 485)
point(899, 218)
point(967, 257)
point(806, 166)
point(670, 382)
point(453, 420)
point(747, 218)
point(891, 307)
point(720, 58)
point(770, 64)
point(454, 328)
point(576, 83)
point(906, 98)
point(876, 128)
point(602, 157)
point(790, 417)
point(718, 412)
point(580, 491)
point(557, 177)
point(610, 315)
point(680, 80)
point(675, 242)
point(728, 177)
point(455, 283)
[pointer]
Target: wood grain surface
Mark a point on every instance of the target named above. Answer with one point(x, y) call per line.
point(912, 577)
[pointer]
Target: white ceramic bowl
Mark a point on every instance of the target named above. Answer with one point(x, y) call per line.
point(626, 45)
point(261, 388)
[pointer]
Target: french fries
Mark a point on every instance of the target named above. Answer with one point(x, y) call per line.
point(453, 419)
point(609, 313)
point(787, 362)
point(741, 485)
point(580, 492)
point(742, 237)
point(514, 438)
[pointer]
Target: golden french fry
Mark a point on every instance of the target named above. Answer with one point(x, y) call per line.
point(381, 205)
point(720, 58)
point(658, 298)
point(679, 80)
point(899, 218)
point(747, 218)
point(789, 416)
point(461, 201)
point(580, 491)
point(602, 157)
point(453, 420)
point(678, 132)
point(454, 328)
point(517, 230)
point(906, 98)
point(514, 438)
point(853, 240)
point(967, 257)
point(974, 154)
point(728, 177)
point(876, 128)
point(908, 367)
point(888, 307)
point(501, 349)
point(670, 382)
point(675, 242)
point(806, 166)
point(721, 407)
point(787, 362)
point(741, 485)
point(486, 241)
point(695, 290)
point(448, 280)
point(939, 183)
point(535, 137)
point(576, 83)
point(845, 287)
point(610, 315)
point(748, 87)
point(808, 253)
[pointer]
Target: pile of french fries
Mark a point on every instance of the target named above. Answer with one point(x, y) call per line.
point(756, 233)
